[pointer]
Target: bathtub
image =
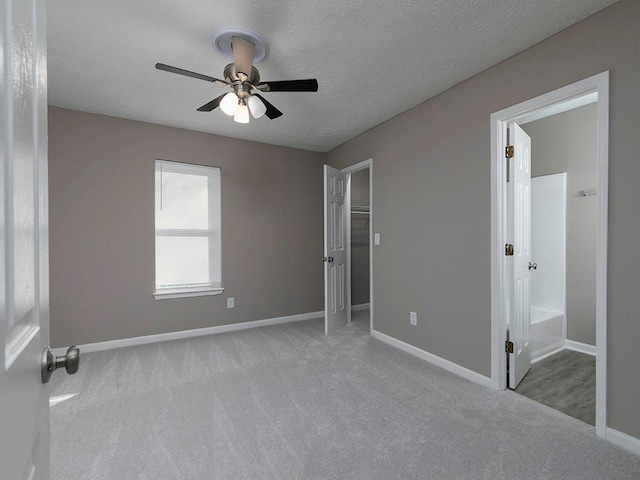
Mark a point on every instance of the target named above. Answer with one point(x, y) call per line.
point(547, 332)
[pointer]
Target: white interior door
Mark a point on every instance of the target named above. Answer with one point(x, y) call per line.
point(335, 249)
point(24, 289)
point(520, 304)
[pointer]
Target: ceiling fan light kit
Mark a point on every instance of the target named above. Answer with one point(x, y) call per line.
point(242, 112)
point(245, 48)
point(229, 103)
point(257, 108)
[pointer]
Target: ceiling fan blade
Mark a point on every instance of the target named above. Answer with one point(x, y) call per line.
point(272, 112)
point(308, 85)
point(188, 73)
point(213, 104)
point(242, 55)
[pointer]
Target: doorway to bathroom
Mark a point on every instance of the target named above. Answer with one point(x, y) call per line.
point(549, 249)
point(562, 283)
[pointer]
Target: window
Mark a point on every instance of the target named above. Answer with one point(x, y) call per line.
point(188, 230)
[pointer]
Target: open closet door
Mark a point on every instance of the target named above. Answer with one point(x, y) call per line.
point(335, 251)
point(520, 226)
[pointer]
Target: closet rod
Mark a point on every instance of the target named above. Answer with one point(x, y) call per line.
point(587, 193)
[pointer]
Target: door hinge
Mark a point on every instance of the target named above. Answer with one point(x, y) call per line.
point(508, 250)
point(509, 151)
point(508, 346)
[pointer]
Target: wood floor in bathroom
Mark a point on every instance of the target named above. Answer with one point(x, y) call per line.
point(565, 381)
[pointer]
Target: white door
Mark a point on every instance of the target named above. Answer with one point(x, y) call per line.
point(520, 314)
point(335, 250)
point(24, 287)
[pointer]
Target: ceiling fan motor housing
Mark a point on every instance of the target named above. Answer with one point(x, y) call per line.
point(242, 89)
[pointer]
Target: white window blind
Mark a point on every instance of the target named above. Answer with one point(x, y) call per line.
point(188, 228)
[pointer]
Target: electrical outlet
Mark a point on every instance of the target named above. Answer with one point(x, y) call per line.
point(413, 318)
point(231, 302)
point(376, 239)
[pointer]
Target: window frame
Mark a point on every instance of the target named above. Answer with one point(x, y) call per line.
point(200, 289)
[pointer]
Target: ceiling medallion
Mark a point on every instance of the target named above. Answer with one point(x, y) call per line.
point(221, 41)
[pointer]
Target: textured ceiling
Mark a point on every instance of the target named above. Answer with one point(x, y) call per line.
point(373, 58)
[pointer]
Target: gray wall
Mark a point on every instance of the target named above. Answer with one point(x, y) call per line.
point(567, 143)
point(432, 201)
point(101, 174)
point(360, 239)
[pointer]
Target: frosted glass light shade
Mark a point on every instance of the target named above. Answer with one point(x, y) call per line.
point(256, 106)
point(242, 112)
point(229, 103)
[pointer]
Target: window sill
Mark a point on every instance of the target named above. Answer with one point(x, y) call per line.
point(186, 292)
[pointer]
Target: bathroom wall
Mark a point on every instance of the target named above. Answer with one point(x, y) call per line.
point(567, 143)
point(360, 239)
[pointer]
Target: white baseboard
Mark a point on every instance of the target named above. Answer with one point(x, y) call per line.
point(362, 306)
point(542, 354)
point(568, 345)
point(434, 359)
point(622, 440)
point(197, 332)
point(580, 347)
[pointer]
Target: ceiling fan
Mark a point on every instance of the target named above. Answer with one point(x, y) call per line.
point(244, 79)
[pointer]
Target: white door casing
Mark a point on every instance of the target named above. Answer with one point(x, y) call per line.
point(520, 233)
point(24, 288)
point(576, 94)
point(335, 250)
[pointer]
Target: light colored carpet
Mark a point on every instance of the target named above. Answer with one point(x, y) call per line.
point(285, 402)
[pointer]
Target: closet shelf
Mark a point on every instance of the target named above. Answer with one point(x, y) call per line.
point(360, 210)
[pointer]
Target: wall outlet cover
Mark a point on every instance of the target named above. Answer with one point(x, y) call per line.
point(413, 318)
point(376, 239)
point(230, 302)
